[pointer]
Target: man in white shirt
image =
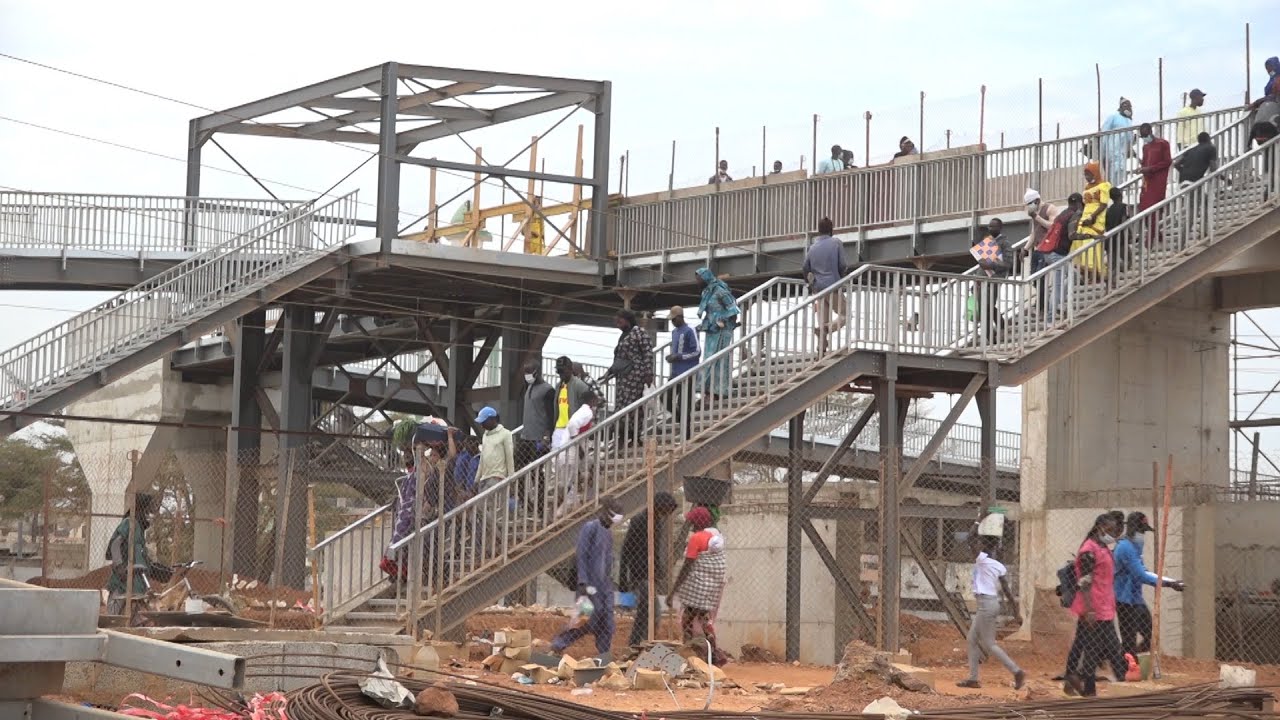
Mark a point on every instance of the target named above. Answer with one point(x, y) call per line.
point(988, 580)
point(570, 464)
point(833, 164)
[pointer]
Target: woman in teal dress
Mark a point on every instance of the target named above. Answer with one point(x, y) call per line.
point(719, 312)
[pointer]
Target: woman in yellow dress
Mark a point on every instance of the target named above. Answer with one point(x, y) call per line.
point(1093, 224)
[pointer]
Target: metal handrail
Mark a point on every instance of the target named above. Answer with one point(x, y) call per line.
point(131, 223)
point(864, 197)
point(171, 299)
point(836, 418)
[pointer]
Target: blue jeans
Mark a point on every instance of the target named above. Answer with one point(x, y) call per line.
point(1057, 279)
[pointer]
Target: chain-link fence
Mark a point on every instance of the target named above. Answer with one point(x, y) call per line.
point(778, 552)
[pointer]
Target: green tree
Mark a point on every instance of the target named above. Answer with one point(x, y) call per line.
point(27, 461)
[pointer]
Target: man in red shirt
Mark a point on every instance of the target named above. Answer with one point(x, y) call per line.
point(1156, 161)
point(1095, 607)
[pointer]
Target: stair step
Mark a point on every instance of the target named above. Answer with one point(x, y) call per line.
point(372, 616)
point(366, 629)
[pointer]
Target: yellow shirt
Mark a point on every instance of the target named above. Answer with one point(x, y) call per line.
point(1190, 125)
point(562, 402)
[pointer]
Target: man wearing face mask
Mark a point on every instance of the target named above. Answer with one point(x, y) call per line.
point(595, 563)
point(1117, 147)
point(539, 419)
point(1131, 574)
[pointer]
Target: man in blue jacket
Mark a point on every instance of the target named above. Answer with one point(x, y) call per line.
point(682, 358)
point(1131, 575)
point(595, 565)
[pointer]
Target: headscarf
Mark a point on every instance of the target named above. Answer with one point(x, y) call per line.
point(713, 285)
point(1030, 196)
point(699, 518)
point(1094, 169)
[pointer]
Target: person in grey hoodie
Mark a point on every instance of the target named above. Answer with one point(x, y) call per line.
point(535, 434)
point(824, 266)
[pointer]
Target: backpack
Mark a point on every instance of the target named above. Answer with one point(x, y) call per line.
point(1068, 584)
point(1051, 238)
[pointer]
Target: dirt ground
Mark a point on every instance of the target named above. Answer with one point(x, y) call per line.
point(206, 582)
point(934, 646)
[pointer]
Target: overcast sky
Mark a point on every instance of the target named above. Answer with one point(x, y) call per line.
point(679, 71)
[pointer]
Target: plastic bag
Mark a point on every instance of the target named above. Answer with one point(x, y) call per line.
point(581, 613)
point(383, 689)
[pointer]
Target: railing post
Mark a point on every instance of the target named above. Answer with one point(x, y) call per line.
point(917, 190)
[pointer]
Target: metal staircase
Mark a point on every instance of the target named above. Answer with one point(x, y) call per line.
point(491, 544)
point(248, 270)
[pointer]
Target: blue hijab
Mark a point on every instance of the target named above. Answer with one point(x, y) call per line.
point(717, 302)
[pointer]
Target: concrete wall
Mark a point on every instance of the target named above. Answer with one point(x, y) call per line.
point(754, 606)
point(1092, 426)
point(1248, 548)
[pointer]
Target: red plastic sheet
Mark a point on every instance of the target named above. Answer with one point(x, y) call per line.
point(261, 707)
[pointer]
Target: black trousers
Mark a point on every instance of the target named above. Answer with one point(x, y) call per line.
point(1135, 621)
point(640, 628)
point(1094, 644)
point(526, 452)
point(680, 405)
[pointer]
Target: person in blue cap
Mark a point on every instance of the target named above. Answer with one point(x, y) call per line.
point(497, 450)
point(1131, 574)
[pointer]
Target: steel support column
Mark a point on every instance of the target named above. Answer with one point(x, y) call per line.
point(300, 339)
point(987, 412)
point(245, 443)
point(600, 175)
point(388, 166)
point(795, 529)
point(511, 390)
point(890, 532)
point(460, 353)
point(194, 144)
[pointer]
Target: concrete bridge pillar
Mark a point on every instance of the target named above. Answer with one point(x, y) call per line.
point(202, 458)
point(103, 448)
point(1094, 423)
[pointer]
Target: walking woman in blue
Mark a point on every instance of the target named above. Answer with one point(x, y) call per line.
point(719, 311)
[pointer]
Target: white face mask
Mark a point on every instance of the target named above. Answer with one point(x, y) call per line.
point(616, 519)
point(528, 377)
point(1107, 539)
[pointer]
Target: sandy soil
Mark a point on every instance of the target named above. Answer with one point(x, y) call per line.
point(934, 646)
